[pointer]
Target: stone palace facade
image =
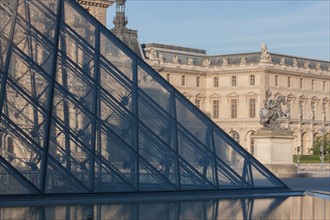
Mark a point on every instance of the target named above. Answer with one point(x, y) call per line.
point(230, 88)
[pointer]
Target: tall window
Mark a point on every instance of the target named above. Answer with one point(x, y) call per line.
point(215, 108)
point(301, 109)
point(252, 143)
point(216, 82)
point(324, 85)
point(168, 77)
point(276, 80)
point(197, 81)
point(252, 80)
point(289, 82)
point(233, 107)
point(183, 80)
point(301, 82)
point(233, 81)
point(313, 84)
point(252, 108)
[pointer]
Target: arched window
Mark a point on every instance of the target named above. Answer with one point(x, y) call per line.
point(252, 80)
point(233, 81)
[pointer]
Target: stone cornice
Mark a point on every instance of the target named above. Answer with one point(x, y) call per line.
point(298, 73)
point(239, 69)
point(99, 3)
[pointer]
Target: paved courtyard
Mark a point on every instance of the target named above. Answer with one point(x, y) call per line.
point(319, 183)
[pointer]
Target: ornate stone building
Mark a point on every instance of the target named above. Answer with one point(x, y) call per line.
point(230, 88)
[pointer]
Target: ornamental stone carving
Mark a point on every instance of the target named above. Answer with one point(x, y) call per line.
point(225, 61)
point(160, 58)
point(272, 113)
point(295, 63)
point(206, 62)
point(318, 66)
point(190, 61)
point(282, 61)
point(265, 55)
point(243, 61)
point(152, 54)
point(175, 59)
point(306, 64)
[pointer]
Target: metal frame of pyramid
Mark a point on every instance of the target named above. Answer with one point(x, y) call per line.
point(81, 113)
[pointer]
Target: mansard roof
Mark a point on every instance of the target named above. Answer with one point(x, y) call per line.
point(199, 56)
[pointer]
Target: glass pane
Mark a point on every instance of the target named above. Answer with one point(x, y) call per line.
point(191, 179)
point(33, 46)
point(6, 18)
point(187, 117)
point(150, 180)
point(263, 178)
point(159, 156)
point(196, 155)
point(76, 84)
point(71, 153)
point(117, 118)
point(78, 52)
point(153, 89)
point(73, 117)
point(59, 181)
point(28, 117)
point(228, 154)
point(118, 158)
point(228, 178)
point(40, 15)
point(107, 180)
point(18, 149)
point(80, 23)
point(154, 118)
point(115, 55)
point(116, 86)
point(9, 185)
point(29, 79)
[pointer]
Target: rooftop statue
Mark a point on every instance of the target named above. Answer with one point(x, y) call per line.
point(272, 112)
point(265, 56)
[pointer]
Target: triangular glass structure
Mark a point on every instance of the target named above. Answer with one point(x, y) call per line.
point(82, 113)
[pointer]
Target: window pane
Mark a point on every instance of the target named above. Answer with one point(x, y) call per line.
point(183, 80)
point(233, 108)
point(252, 106)
point(215, 108)
point(233, 81)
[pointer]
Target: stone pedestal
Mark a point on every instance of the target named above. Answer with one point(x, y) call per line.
point(273, 148)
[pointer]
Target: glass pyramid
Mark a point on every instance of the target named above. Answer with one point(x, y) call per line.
point(81, 113)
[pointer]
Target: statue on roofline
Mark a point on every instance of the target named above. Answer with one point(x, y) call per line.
point(272, 112)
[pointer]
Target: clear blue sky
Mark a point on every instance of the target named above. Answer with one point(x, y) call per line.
point(293, 27)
